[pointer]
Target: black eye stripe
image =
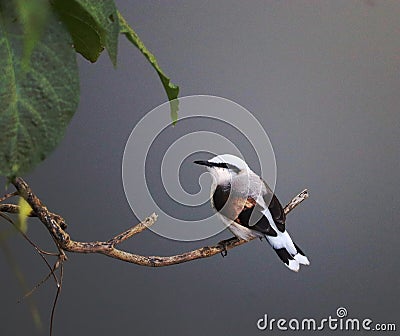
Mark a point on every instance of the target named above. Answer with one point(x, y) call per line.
point(220, 165)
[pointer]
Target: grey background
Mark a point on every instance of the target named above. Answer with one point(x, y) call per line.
point(323, 79)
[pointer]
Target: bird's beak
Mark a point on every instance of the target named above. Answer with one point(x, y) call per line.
point(203, 163)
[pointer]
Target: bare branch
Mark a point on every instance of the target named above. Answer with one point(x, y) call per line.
point(296, 201)
point(13, 208)
point(6, 196)
point(134, 230)
point(55, 224)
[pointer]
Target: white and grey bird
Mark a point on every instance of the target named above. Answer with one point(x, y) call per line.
point(248, 207)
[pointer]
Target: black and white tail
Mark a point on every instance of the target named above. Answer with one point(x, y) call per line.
point(288, 251)
point(293, 262)
point(284, 246)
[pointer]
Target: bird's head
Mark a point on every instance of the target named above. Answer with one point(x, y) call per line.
point(224, 167)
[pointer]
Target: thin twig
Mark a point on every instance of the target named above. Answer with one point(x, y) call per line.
point(296, 201)
point(38, 250)
point(134, 230)
point(13, 263)
point(33, 289)
point(59, 264)
point(3, 198)
point(14, 209)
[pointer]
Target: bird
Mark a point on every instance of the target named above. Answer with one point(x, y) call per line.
point(249, 208)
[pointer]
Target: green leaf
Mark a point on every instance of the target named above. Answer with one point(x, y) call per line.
point(171, 89)
point(33, 15)
point(93, 25)
point(35, 106)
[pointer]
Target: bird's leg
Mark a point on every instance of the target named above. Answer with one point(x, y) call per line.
point(225, 243)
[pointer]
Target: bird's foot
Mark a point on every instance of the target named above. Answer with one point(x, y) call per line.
point(224, 251)
point(224, 244)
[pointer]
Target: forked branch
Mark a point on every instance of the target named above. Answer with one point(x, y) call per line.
point(56, 226)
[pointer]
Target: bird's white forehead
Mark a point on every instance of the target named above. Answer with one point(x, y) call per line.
point(231, 159)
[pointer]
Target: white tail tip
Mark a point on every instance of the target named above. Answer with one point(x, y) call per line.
point(303, 260)
point(293, 265)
